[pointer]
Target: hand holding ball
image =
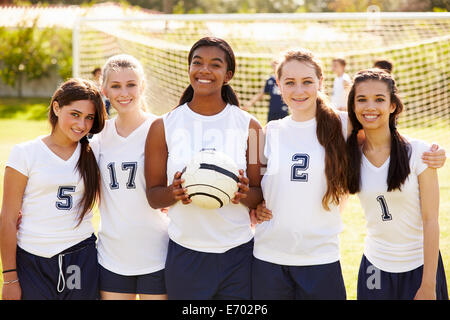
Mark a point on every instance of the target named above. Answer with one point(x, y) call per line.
point(211, 179)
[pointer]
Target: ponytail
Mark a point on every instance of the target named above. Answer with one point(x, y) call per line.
point(329, 134)
point(229, 96)
point(399, 168)
point(354, 162)
point(187, 95)
point(90, 173)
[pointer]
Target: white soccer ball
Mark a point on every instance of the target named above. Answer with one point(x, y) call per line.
point(211, 179)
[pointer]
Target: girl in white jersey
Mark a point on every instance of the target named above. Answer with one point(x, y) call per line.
point(399, 195)
point(54, 181)
point(297, 251)
point(133, 238)
point(210, 251)
point(297, 248)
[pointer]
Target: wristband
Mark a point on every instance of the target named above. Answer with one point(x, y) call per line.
point(9, 270)
point(9, 282)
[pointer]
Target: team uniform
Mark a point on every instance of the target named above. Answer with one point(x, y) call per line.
point(133, 238)
point(277, 108)
point(56, 259)
point(392, 264)
point(210, 251)
point(339, 96)
point(297, 251)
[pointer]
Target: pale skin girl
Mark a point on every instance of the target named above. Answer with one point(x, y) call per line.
point(299, 86)
point(124, 88)
point(74, 122)
point(372, 109)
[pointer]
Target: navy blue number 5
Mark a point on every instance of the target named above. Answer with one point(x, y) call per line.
point(66, 198)
point(301, 164)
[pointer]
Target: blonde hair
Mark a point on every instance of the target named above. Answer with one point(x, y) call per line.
point(125, 61)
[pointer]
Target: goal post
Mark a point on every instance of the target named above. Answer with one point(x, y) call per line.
point(418, 44)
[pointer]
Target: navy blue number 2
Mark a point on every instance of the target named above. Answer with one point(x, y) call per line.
point(67, 202)
point(301, 164)
point(131, 166)
point(386, 216)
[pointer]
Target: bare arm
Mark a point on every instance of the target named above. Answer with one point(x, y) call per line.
point(255, 145)
point(14, 188)
point(159, 194)
point(429, 202)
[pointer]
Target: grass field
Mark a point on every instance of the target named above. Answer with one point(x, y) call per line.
point(13, 131)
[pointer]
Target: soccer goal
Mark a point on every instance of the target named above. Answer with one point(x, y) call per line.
point(418, 44)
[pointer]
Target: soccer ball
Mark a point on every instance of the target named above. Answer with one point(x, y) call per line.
point(211, 179)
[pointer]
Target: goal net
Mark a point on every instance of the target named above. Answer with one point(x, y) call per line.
point(417, 44)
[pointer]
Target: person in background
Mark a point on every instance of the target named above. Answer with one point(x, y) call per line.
point(341, 84)
point(277, 108)
point(384, 64)
point(97, 75)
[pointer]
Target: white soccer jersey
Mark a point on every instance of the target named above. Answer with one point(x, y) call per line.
point(187, 133)
point(339, 95)
point(301, 232)
point(394, 241)
point(50, 204)
point(133, 236)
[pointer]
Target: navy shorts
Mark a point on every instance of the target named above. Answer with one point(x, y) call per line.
point(376, 284)
point(70, 275)
point(199, 275)
point(152, 283)
point(278, 282)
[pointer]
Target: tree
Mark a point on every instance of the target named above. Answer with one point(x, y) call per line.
point(25, 53)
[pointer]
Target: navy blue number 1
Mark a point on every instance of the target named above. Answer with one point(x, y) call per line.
point(386, 216)
point(301, 164)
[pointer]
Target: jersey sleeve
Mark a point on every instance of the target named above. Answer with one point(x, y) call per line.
point(94, 143)
point(419, 147)
point(18, 160)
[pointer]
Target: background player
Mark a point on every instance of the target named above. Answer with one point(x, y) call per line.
point(341, 84)
point(54, 180)
point(277, 108)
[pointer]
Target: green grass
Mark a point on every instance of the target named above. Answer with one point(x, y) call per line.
point(352, 238)
point(24, 108)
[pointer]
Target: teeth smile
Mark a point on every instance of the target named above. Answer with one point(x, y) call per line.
point(370, 117)
point(204, 81)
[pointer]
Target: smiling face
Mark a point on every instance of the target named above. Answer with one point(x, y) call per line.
point(373, 105)
point(74, 120)
point(299, 86)
point(208, 70)
point(124, 89)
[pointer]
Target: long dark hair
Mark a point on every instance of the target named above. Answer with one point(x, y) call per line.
point(228, 94)
point(75, 90)
point(400, 150)
point(329, 132)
